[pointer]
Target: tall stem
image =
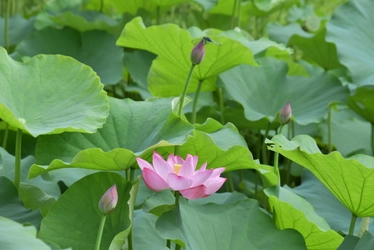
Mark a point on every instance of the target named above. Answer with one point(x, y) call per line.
point(221, 104)
point(329, 130)
point(239, 12)
point(176, 194)
point(181, 101)
point(194, 105)
point(101, 6)
point(352, 225)
point(6, 25)
point(372, 139)
point(233, 15)
point(6, 132)
point(17, 177)
point(100, 232)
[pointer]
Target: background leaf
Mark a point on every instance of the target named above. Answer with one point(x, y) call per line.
point(51, 101)
point(348, 29)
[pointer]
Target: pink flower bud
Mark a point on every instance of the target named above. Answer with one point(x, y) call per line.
point(286, 113)
point(108, 201)
point(197, 53)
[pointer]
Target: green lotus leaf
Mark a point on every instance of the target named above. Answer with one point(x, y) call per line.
point(205, 227)
point(314, 46)
point(173, 46)
point(86, 47)
point(292, 211)
point(264, 90)
point(79, 203)
point(349, 29)
point(51, 94)
point(17, 236)
point(350, 180)
point(362, 102)
point(132, 129)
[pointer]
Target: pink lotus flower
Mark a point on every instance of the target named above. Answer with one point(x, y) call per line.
point(108, 201)
point(286, 113)
point(181, 175)
point(197, 53)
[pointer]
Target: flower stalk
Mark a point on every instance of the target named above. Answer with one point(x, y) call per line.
point(181, 101)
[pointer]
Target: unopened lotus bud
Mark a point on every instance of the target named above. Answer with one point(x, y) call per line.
point(108, 201)
point(197, 53)
point(286, 113)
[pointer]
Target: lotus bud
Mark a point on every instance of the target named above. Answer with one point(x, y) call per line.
point(286, 113)
point(108, 201)
point(197, 53)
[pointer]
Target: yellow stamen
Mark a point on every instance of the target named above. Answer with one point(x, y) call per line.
point(177, 167)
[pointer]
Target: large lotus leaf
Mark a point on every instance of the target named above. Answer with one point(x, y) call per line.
point(264, 90)
point(86, 47)
point(51, 94)
point(79, 203)
point(19, 28)
point(362, 102)
point(314, 46)
point(222, 146)
point(349, 28)
point(131, 129)
point(17, 236)
point(346, 122)
point(13, 208)
point(79, 20)
point(131, 6)
point(326, 204)
point(208, 226)
point(292, 211)
point(350, 180)
point(173, 46)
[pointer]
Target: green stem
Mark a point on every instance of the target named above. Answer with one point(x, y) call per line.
point(372, 138)
point(129, 239)
point(264, 150)
point(6, 25)
point(6, 132)
point(233, 14)
point(329, 130)
point(100, 232)
point(101, 6)
point(276, 158)
point(239, 12)
point(158, 13)
point(17, 177)
point(194, 105)
point(230, 181)
point(221, 104)
point(352, 225)
point(181, 101)
point(176, 194)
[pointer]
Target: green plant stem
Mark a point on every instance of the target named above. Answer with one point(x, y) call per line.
point(372, 139)
point(352, 225)
point(6, 132)
point(264, 151)
point(6, 25)
point(129, 239)
point(221, 104)
point(276, 158)
point(329, 130)
point(176, 194)
point(233, 14)
point(239, 12)
point(194, 105)
point(100, 232)
point(181, 101)
point(101, 6)
point(230, 181)
point(158, 13)
point(17, 177)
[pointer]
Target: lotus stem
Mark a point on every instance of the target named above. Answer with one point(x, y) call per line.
point(352, 225)
point(17, 177)
point(181, 101)
point(100, 232)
